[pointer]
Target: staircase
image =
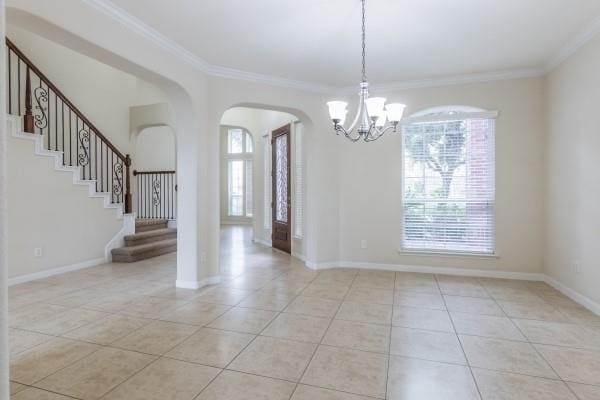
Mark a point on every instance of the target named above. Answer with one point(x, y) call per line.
point(152, 238)
point(40, 112)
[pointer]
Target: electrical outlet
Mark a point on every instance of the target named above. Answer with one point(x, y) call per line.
point(203, 257)
point(37, 252)
point(363, 244)
point(577, 266)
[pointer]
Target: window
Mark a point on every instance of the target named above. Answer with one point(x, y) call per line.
point(235, 141)
point(299, 181)
point(239, 172)
point(448, 182)
point(236, 188)
point(267, 181)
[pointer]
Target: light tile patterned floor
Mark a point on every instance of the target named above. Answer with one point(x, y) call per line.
point(276, 330)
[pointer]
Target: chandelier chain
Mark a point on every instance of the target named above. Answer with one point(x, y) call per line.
point(374, 117)
point(364, 63)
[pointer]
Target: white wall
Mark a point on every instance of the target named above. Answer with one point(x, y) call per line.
point(47, 211)
point(573, 182)
point(370, 181)
point(155, 149)
point(104, 94)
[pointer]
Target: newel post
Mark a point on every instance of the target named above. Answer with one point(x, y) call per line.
point(128, 209)
point(28, 118)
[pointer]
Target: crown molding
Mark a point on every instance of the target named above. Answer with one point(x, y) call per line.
point(118, 14)
point(577, 42)
point(453, 80)
point(115, 12)
point(231, 73)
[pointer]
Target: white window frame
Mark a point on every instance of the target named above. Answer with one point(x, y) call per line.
point(244, 157)
point(267, 181)
point(299, 181)
point(441, 114)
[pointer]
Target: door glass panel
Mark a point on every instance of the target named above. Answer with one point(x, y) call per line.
point(281, 179)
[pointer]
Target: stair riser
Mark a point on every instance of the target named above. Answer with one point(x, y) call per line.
point(150, 227)
point(127, 258)
point(136, 242)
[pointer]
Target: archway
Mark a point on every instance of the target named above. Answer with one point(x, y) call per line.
point(195, 251)
point(256, 123)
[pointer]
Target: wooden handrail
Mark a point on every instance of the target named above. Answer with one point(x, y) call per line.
point(60, 94)
point(97, 160)
point(152, 172)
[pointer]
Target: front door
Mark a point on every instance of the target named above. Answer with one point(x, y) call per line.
point(281, 202)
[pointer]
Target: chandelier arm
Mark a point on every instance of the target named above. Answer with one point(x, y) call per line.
point(348, 134)
point(371, 137)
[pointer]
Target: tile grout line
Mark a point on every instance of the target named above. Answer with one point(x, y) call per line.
point(260, 334)
point(460, 343)
point(331, 320)
point(560, 379)
point(252, 341)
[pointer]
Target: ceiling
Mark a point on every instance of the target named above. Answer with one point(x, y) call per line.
point(318, 41)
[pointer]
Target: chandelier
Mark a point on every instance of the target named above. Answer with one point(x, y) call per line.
point(372, 117)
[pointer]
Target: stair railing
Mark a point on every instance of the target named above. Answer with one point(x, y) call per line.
point(156, 193)
point(65, 129)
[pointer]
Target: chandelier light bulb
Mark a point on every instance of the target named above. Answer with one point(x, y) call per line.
point(395, 111)
point(376, 107)
point(338, 111)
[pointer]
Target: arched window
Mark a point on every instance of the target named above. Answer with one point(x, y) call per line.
point(239, 172)
point(448, 181)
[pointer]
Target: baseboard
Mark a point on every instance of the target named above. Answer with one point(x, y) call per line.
point(236, 222)
point(55, 271)
point(263, 242)
point(299, 256)
point(567, 291)
point(213, 280)
point(118, 240)
point(529, 276)
point(573, 295)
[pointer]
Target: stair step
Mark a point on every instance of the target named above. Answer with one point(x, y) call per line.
point(144, 251)
point(145, 225)
point(150, 236)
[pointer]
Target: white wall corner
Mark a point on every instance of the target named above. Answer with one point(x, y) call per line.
point(572, 46)
point(299, 256)
point(213, 280)
point(119, 239)
point(573, 294)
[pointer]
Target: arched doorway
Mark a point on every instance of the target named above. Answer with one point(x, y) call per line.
point(255, 125)
point(155, 175)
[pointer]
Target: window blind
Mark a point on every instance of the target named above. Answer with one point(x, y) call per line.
point(449, 185)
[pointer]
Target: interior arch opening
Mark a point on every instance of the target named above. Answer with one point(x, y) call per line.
point(262, 180)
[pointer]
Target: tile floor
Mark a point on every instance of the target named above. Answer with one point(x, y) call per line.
point(274, 330)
